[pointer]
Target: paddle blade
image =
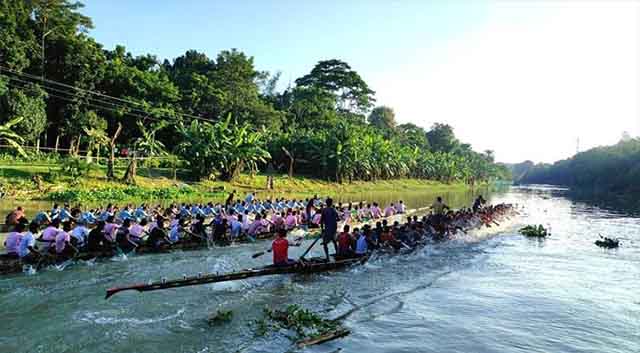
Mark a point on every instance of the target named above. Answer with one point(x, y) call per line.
point(257, 254)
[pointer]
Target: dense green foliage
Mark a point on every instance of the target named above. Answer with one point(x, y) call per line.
point(614, 169)
point(122, 193)
point(221, 116)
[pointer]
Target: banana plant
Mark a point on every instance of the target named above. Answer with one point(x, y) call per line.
point(7, 136)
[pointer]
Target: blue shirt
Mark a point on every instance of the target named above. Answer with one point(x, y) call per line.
point(125, 214)
point(236, 228)
point(88, 217)
point(174, 235)
point(140, 214)
point(28, 240)
point(361, 245)
point(64, 215)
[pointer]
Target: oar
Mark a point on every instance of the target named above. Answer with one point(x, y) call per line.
point(311, 246)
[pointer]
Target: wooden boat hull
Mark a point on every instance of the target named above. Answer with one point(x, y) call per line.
point(313, 266)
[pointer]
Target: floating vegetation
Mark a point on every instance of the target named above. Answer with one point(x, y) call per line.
point(309, 327)
point(534, 231)
point(220, 317)
point(608, 243)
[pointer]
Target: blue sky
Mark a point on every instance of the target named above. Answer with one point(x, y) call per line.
point(505, 74)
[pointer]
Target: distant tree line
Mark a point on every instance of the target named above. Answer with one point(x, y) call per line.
point(614, 169)
point(59, 87)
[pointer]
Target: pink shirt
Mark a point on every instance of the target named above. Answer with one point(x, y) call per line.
point(61, 240)
point(13, 242)
point(388, 211)
point(110, 230)
point(375, 212)
point(255, 227)
point(291, 221)
point(50, 233)
point(136, 230)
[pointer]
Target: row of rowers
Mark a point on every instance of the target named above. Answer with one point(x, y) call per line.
point(69, 231)
point(307, 210)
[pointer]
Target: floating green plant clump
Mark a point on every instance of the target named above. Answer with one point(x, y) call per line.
point(534, 231)
point(221, 316)
point(310, 328)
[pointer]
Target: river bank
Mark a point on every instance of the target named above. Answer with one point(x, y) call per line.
point(43, 183)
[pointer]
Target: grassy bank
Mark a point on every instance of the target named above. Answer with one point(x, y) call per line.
point(158, 184)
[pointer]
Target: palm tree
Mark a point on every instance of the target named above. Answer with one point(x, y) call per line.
point(145, 145)
point(97, 138)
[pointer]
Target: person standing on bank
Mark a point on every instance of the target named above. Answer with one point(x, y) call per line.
point(329, 226)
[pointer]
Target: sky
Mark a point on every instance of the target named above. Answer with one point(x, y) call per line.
point(530, 80)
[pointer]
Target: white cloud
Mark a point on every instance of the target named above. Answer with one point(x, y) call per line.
point(531, 80)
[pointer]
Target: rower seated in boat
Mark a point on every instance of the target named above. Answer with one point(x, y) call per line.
point(137, 230)
point(345, 243)
point(198, 232)
point(97, 241)
point(27, 248)
point(361, 243)
point(158, 237)
point(12, 243)
point(280, 248)
point(48, 236)
point(123, 240)
point(79, 235)
point(64, 249)
point(387, 238)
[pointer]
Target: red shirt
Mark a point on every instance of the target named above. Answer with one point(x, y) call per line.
point(344, 242)
point(280, 249)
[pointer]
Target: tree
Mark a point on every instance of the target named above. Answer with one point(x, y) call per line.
point(225, 147)
point(112, 151)
point(335, 76)
point(29, 104)
point(383, 118)
point(96, 138)
point(7, 136)
point(441, 138)
point(146, 145)
point(413, 136)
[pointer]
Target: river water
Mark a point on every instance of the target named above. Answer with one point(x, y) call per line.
point(490, 291)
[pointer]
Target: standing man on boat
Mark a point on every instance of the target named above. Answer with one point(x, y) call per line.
point(229, 202)
point(329, 227)
point(438, 208)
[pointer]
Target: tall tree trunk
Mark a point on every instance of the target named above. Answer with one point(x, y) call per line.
point(132, 169)
point(291, 161)
point(88, 157)
point(57, 143)
point(78, 146)
point(112, 156)
point(72, 146)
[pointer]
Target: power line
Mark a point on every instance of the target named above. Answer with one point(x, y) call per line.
point(73, 100)
point(43, 80)
point(73, 95)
